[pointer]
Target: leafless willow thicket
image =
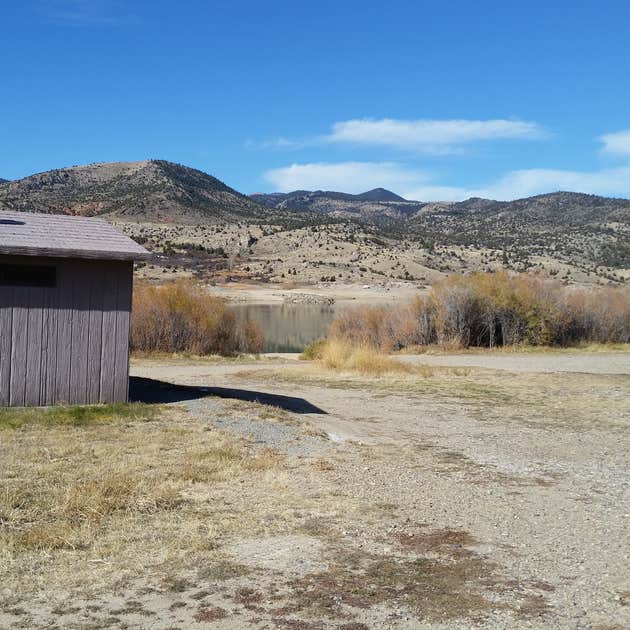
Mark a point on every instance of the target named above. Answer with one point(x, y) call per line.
point(182, 317)
point(493, 309)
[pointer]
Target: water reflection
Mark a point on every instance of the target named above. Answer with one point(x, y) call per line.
point(288, 327)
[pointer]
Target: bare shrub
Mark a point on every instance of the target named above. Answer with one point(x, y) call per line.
point(252, 337)
point(183, 317)
point(492, 309)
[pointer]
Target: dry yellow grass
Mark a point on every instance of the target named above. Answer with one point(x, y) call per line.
point(126, 497)
point(343, 356)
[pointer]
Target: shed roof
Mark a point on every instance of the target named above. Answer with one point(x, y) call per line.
point(61, 236)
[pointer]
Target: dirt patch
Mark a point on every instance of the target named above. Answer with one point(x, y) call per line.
point(206, 615)
point(221, 570)
point(433, 589)
point(450, 542)
point(291, 554)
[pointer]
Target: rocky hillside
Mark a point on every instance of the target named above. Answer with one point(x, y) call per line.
point(151, 190)
point(567, 208)
point(566, 226)
point(585, 232)
point(372, 205)
point(562, 225)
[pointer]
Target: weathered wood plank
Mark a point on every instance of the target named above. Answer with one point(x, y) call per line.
point(64, 334)
point(34, 347)
point(50, 348)
point(123, 310)
point(80, 324)
point(108, 344)
point(69, 343)
point(19, 347)
point(95, 332)
point(6, 317)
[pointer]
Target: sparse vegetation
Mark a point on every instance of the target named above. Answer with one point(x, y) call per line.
point(313, 350)
point(75, 415)
point(196, 225)
point(117, 482)
point(182, 317)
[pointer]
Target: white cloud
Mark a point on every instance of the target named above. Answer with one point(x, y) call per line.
point(352, 177)
point(430, 135)
point(355, 177)
point(618, 142)
point(536, 181)
point(424, 136)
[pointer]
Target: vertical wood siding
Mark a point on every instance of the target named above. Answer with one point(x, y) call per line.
point(68, 344)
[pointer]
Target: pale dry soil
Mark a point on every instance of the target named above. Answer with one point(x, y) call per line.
point(339, 293)
point(493, 495)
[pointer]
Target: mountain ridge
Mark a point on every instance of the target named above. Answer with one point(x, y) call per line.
point(146, 189)
point(372, 204)
point(158, 189)
point(559, 225)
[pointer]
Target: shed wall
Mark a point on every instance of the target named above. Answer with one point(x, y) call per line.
point(69, 343)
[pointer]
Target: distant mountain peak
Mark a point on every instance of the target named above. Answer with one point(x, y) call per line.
point(379, 194)
point(376, 204)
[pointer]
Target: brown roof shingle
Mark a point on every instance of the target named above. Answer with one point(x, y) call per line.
point(30, 234)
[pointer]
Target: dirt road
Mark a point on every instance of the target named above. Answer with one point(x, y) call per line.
point(514, 482)
point(579, 362)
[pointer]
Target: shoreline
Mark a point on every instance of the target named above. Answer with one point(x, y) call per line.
point(339, 295)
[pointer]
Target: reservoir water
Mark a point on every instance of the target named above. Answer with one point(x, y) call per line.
point(288, 327)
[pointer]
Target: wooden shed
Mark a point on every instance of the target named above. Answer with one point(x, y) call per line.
point(65, 306)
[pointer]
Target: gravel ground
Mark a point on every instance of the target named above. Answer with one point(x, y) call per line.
point(541, 502)
point(288, 439)
point(581, 362)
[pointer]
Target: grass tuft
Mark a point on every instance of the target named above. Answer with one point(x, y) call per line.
point(75, 415)
point(342, 356)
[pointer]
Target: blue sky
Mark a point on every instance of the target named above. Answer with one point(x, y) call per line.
point(433, 100)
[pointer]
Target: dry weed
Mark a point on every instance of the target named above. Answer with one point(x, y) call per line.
point(183, 317)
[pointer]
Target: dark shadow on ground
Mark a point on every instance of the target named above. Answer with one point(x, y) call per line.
point(148, 390)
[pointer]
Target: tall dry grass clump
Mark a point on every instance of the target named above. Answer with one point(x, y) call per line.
point(489, 310)
point(344, 356)
point(183, 317)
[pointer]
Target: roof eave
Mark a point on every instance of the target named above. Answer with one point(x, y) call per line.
point(74, 253)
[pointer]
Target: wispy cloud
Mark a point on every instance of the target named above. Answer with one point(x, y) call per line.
point(534, 181)
point(82, 12)
point(279, 143)
point(357, 177)
point(523, 183)
point(352, 177)
point(424, 136)
point(431, 135)
point(617, 143)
